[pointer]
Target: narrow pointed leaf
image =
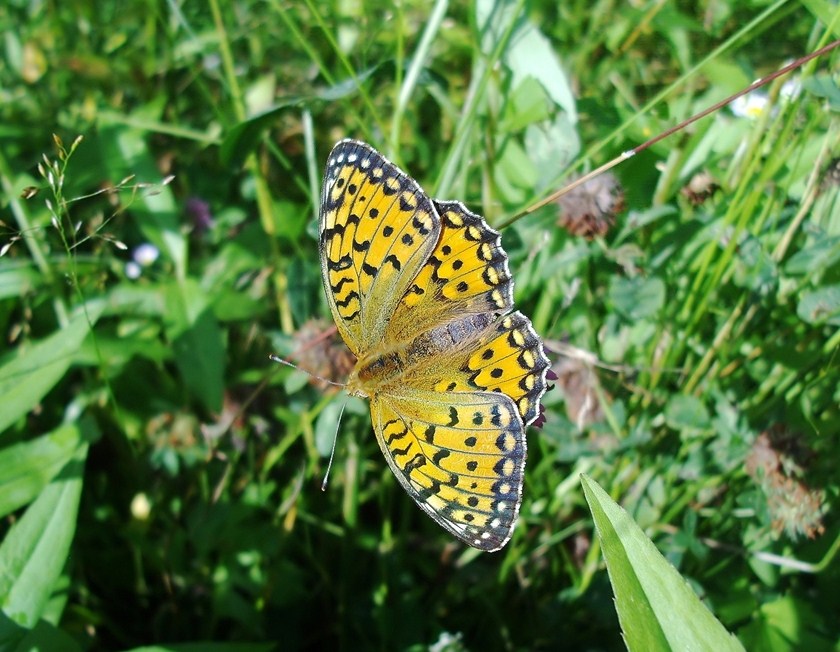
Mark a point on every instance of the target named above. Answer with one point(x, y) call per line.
point(656, 607)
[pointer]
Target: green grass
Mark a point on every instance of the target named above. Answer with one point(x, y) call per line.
point(160, 477)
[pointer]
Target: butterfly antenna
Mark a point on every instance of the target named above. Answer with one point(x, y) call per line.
point(335, 440)
point(294, 366)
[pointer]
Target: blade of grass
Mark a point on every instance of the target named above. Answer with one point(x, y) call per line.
point(421, 55)
point(483, 71)
point(26, 468)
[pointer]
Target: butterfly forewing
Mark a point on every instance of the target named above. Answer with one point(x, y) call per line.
point(377, 229)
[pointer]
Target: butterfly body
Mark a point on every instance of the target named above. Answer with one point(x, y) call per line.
point(381, 367)
point(421, 293)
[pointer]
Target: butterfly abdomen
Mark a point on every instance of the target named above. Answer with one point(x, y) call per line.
point(447, 337)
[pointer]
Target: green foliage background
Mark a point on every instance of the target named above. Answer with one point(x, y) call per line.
point(159, 477)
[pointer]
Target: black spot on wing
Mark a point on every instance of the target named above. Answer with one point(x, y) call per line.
point(348, 299)
point(453, 417)
point(393, 261)
point(421, 226)
point(440, 455)
point(345, 262)
point(337, 287)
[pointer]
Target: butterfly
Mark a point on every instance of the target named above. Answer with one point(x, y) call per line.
point(421, 293)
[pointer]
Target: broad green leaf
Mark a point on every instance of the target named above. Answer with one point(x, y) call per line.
point(326, 427)
point(637, 298)
point(46, 636)
point(820, 306)
point(207, 647)
point(196, 341)
point(824, 87)
point(514, 170)
point(788, 623)
point(26, 468)
point(296, 381)
point(134, 338)
point(819, 255)
point(35, 550)
point(529, 53)
point(33, 370)
point(686, 412)
point(551, 146)
point(526, 105)
point(656, 607)
point(243, 137)
point(17, 280)
point(127, 298)
point(825, 11)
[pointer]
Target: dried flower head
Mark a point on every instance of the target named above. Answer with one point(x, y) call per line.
point(831, 176)
point(777, 463)
point(577, 380)
point(590, 209)
point(701, 186)
point(319, 350)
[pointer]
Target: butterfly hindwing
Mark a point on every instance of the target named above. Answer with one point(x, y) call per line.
point(466, 273)
point(462, 461)
point(507, 358)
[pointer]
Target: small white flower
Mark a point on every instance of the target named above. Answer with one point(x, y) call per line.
point(212, 62)
point(140, 507)
point(145, 254)
point(133, 270)
point(791, 89)
point(449, 642)
point(751, 105)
